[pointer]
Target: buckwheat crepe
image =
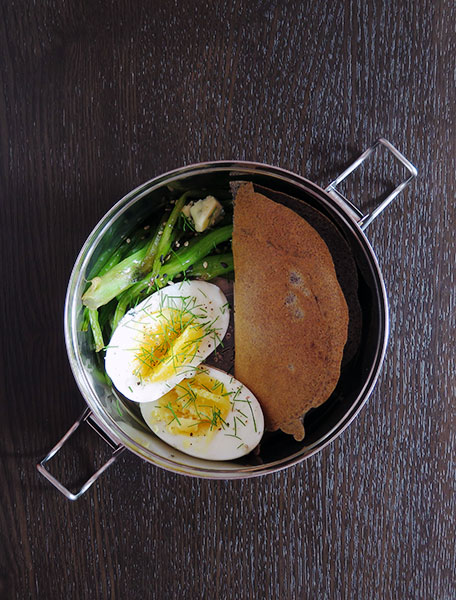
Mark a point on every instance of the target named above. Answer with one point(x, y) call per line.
point(291, 317)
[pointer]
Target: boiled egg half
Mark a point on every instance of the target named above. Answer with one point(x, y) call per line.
point(210, 415)
point(164, 339)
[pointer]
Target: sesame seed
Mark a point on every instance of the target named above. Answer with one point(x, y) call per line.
point(185, 244)
point(205, 264)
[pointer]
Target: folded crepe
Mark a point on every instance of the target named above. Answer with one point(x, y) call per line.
point(290, 314)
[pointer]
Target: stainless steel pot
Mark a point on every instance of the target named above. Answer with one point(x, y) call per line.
point(124, 429)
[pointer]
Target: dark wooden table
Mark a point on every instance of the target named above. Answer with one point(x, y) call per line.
point(97, 97)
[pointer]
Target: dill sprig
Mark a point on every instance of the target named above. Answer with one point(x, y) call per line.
point(170, 408)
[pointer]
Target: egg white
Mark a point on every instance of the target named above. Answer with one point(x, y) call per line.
point(206, 301)
point(224, 444)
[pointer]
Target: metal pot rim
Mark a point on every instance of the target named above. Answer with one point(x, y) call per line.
point(336, 204)
point(104, 420)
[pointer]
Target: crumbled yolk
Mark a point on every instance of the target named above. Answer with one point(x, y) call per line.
point(171, 343)
point(195, 407)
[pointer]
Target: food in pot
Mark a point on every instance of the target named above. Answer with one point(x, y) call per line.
point(290, 311)
point(210, 415)
point(164, 339)
point(149, 258)
point(291, 317)
point(158, 346)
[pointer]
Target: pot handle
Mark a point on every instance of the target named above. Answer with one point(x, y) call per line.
point(365, 220)
point(117, 451)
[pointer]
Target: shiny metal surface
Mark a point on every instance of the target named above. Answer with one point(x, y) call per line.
point(124, 427)
point(366, 220)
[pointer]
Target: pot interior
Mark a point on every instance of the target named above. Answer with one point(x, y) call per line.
point(362, 358)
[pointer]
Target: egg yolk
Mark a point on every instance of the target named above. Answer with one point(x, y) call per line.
point(170, 343)
point(197, 406)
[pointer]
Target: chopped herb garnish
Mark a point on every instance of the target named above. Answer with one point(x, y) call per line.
point(170, 408)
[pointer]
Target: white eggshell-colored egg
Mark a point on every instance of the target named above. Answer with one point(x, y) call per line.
point(242, 433)
point(206, 302)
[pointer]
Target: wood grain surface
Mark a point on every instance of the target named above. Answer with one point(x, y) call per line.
point(97, 97)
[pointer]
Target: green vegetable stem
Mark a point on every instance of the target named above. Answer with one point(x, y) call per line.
point(114, 282)
point(164, 242)
point(96, 330)
point(197, 250)
point(212, 266)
